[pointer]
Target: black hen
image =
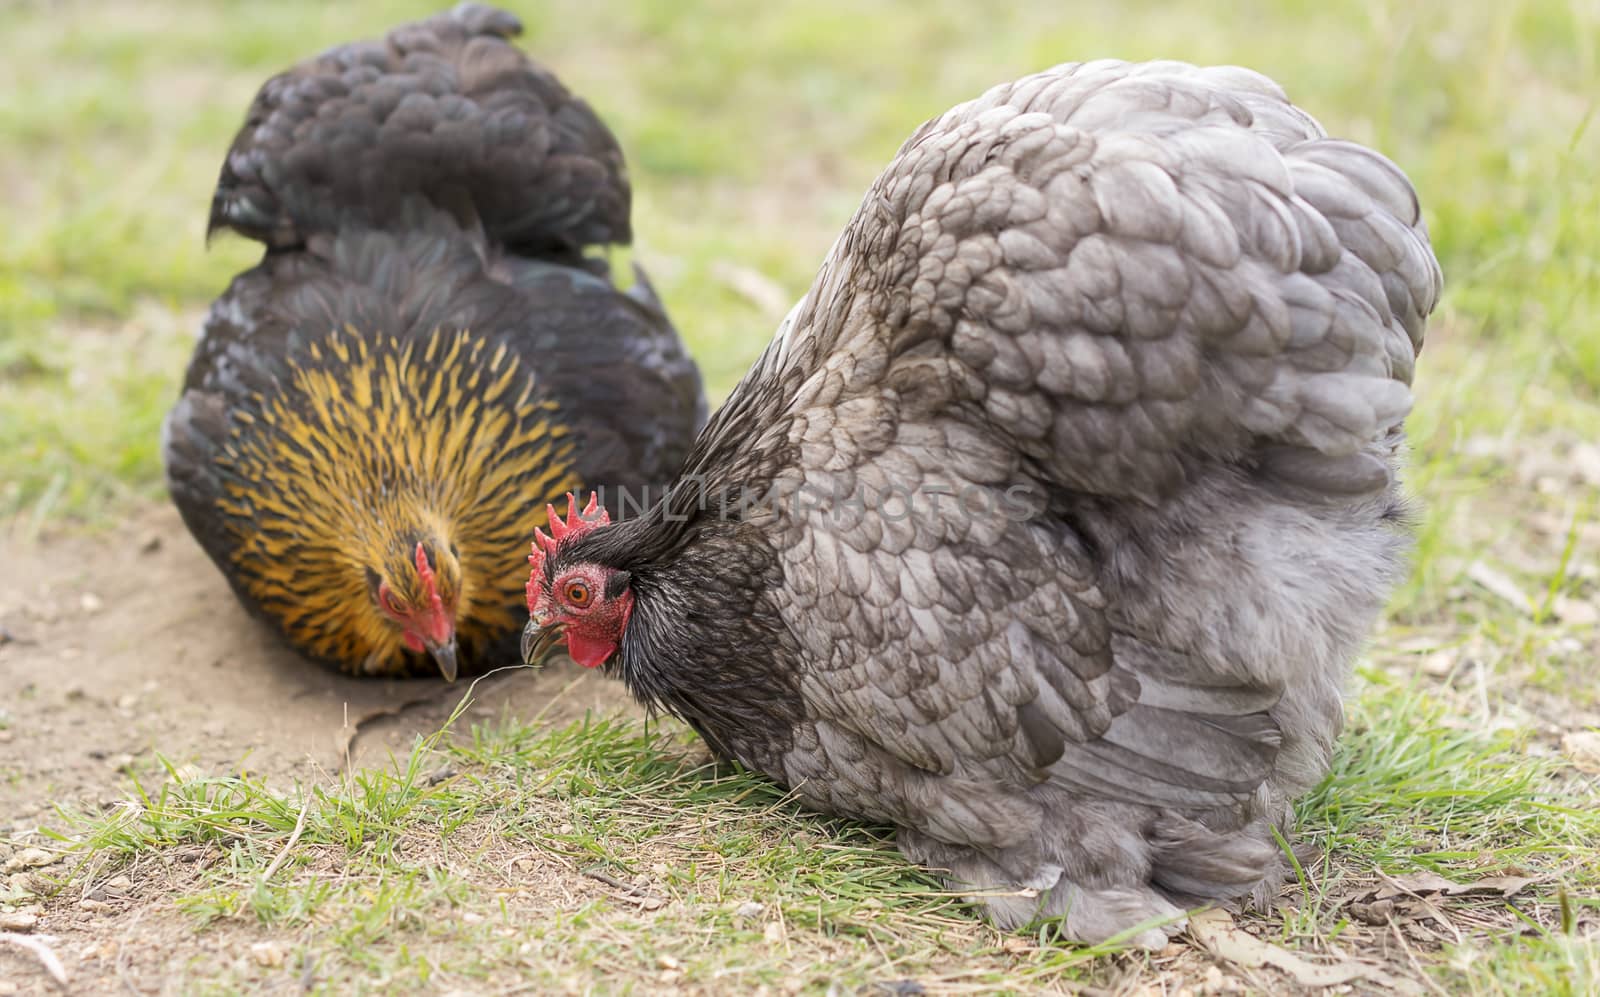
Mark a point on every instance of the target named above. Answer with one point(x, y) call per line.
point(377, 412)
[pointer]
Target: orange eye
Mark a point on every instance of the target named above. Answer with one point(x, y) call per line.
point(577, 593)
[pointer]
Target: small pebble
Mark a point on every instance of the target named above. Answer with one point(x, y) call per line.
point(101, 950)
point(30, 858)
point(91, 603)
point(1581, 612)
point(1583, 747)
point(268, 954)
point(18, 921)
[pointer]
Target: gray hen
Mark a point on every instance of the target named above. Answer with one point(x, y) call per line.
point(1050, 523)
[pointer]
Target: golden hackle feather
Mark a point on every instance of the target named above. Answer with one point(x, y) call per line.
point(377, 444)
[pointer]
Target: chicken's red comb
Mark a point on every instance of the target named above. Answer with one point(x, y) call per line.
point(424, 569)
point(438, 621)
point(576, 525)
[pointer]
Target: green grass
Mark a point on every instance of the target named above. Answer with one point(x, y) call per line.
point(416, 857)
point(415, 875)
point(751, 131)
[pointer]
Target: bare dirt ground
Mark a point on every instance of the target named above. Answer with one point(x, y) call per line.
point(122, 646)
point(115, 649)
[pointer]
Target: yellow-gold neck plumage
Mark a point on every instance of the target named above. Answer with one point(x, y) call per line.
point(371, 445)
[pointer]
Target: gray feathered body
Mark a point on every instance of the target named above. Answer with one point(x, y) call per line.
point(1136, 341)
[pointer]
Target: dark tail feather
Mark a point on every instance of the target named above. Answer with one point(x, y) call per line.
point(445, 111)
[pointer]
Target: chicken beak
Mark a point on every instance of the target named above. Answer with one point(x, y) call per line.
point(444, 655)
point(538, 641)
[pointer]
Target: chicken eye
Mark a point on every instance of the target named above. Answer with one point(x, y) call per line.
point(390, 602)
point(577, 593)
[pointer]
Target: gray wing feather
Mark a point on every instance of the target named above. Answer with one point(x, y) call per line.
point(1084, 282)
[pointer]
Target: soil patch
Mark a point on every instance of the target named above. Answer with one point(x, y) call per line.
point(120, 650)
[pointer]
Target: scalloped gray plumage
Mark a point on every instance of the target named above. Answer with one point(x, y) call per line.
point(1163, 302)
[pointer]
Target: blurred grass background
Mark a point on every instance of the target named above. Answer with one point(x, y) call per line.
point(751, 130)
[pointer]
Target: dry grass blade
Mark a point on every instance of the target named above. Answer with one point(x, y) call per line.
point(39, 946)
point(288, 846)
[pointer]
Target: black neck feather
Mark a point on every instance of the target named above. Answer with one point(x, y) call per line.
point(704, 642)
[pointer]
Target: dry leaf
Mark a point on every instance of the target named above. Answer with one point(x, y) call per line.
point(1215, 930)
point(1414, 884)
point(1428, 912)
point(1377, 913)
point(1421, 884)
point(1505, 886)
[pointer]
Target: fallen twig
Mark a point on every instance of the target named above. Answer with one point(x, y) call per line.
point(646, 899)
point(615, 883)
